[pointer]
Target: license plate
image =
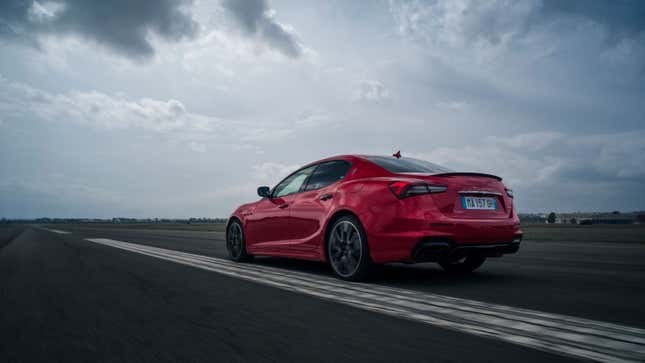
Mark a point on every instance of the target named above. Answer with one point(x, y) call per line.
point(479, 203)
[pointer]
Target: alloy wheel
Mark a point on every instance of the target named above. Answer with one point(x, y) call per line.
point(234, 242)
point(345, 248)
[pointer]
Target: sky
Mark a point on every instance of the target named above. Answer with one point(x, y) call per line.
point(162, 108)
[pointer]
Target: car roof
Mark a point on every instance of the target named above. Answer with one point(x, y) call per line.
point(348, 157)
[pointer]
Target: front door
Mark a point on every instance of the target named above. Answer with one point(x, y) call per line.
point(269, 228)
point(268, 221)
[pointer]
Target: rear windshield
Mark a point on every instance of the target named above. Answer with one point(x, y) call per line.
point(407, 165)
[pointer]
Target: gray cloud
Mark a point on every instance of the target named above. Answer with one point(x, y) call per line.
point(468, 21)
point(122, 25)
point(576, 168)
point(125, 26)
point(539, 95)
point(370, 91)
point(256, 18)
point(14, 19)
point(624, 17)
point(464, 22)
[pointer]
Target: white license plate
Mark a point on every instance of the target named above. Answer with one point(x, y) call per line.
point(479, 203)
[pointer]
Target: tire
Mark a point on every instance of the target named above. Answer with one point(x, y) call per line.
point(348, 251)
point(235, 242)
point(469, 264)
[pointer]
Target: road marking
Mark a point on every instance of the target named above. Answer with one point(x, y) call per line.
point(56, 231)
point(561, 334)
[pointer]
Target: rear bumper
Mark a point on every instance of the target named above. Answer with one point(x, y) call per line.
point(433, 250)
point(423, 241)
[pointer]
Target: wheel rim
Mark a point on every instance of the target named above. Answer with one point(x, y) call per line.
point(345, 248)
point(234, 242)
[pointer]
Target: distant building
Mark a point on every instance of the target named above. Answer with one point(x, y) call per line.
point(640, 218)
point(586, 218)
point(596, 218)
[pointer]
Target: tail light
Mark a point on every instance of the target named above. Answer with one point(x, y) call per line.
point(509, 192)
point(403, 189)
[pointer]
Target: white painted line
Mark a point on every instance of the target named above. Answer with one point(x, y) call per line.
point(561, 334)
point(56, 231)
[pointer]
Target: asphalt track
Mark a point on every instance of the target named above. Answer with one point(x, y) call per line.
point(84, 294)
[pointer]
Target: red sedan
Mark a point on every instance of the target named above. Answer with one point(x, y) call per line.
point(356, 211)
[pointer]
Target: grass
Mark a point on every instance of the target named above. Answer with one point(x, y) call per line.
point(532, 232)
point(216, 227)
point(582, 233)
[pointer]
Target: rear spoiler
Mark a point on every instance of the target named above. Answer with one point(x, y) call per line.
point(456, 173)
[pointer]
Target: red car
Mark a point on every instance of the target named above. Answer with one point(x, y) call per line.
point(356, 211)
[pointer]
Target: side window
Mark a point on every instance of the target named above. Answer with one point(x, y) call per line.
point(328, 173)
point(292, 183)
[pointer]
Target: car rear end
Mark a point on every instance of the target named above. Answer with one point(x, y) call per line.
point(433, 214)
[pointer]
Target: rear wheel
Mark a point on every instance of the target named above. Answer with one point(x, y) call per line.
point(348, 251)
point(235, 243)
point(464, 264)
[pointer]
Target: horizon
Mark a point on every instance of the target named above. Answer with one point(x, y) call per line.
point(634, 212)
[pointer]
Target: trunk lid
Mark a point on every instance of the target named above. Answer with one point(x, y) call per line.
point(468, 194)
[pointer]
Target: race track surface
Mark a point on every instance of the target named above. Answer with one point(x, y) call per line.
point(91, 294)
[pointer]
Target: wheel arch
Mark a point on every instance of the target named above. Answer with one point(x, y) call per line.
point(330, 222)
point(230, 220)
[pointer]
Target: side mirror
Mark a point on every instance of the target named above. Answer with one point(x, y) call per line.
point(264, 191)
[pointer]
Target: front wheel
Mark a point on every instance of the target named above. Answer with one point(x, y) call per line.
point(465, 264)
point(236, 244)
point(348, 251)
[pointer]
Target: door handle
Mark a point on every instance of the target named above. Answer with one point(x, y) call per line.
point(283, 206)
point(326, 196)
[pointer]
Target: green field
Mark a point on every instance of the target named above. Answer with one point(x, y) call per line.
point(214, 227)
point(532, 232)
point(581, 233)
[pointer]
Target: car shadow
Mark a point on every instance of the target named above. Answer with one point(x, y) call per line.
point(312, 267)
point(433, 274)
point(398, 274)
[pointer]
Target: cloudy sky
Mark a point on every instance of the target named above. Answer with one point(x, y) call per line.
point(182, 108)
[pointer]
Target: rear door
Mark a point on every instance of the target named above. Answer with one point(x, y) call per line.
point(312, 205)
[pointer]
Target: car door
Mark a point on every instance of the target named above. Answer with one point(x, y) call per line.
point(267, 222)
point(268, 226)
point(310, 207)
